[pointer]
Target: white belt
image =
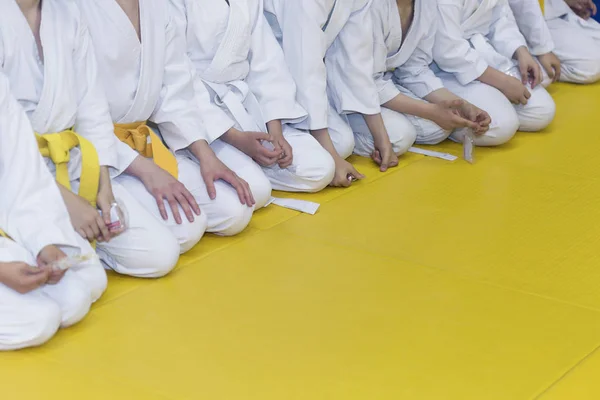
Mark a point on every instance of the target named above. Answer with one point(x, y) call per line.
point(241, 103)
point(490, 55)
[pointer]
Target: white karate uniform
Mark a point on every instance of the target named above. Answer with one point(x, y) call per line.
point(402, 67)
point(328, 51)
point(576, 42)
point(475, 34)
point(530, 20)
point(32, 212)
point(73, 98)
point(154, 83)
point(238, 60)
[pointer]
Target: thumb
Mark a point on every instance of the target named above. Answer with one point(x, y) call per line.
point(454, 104)
point(263, 136)
point(210, 188)
point(357, 174)
point(524, 73)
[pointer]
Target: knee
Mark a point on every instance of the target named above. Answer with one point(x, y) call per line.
point(260, 186)
point(343, 141)
point(76, 305)
point(582, 72)
point(96, 280)
point(502, 130)
point(43, 327)
point(317, 172)
point(232, 216)
point(403, 140)
point(159, 258)
point(39, 324)
point(190, 233)
point(400, 129)
point(538, 114)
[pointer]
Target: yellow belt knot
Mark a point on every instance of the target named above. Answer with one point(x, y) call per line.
point(136, 136)
point(57, 146)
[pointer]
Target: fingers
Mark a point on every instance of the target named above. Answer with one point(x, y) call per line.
point(239, 188)
point(524, 69)
point(376, 156)
point(248, 192)
point(161, 205)
point(261, 136)
point(88, 233)
point(103, 232)
point(183, 203)
point(38, 279)
point(286, 161)
point(558, 69)
point(550, 71)
point(455, 104)
point(270, 154)
point(191, 200)
point(537, 75)
point(210, 187)
point(82, 233)
point(356, 174)
point(393, 161)
point(173, 204)
point(55, 276)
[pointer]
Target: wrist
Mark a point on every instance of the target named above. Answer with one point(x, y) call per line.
point(431, 111)
point(200, 149)
point(520, 52)
point(231, 136)
point(275, 128)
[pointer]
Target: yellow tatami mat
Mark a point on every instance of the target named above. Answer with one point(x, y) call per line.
point(437, 280)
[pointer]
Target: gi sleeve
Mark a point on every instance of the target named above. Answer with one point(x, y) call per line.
point(93, 120)
point(416, 74)
point(451, 51)
point(32, 211)
point(216, 121)
point(383, 78)
point(304, 48)
point(349, 64)
point(531, 22)
point(269, 77)
point(177, 113)
point(504, 34)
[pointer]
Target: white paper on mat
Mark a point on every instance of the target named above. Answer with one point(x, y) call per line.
point(430, 153)
point(307, 207)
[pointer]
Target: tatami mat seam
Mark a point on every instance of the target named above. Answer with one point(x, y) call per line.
point(568, 372)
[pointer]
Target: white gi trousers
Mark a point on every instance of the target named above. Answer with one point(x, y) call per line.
point(506, 117)
point(577, 45)
point(31, 319)
point(226, 215)
point(312, 167)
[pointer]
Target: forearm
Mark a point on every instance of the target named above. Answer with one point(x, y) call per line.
point(275, 127)
point(376, 127)
point(441, 96)
point(407, 105)
point(104, 183)
point(322, 136)
point(492, 77)
point(201, 149)
point(140, 167)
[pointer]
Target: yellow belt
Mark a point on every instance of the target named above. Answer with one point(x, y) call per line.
point(136, 134)
point(57, 146)
point(542, 5)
